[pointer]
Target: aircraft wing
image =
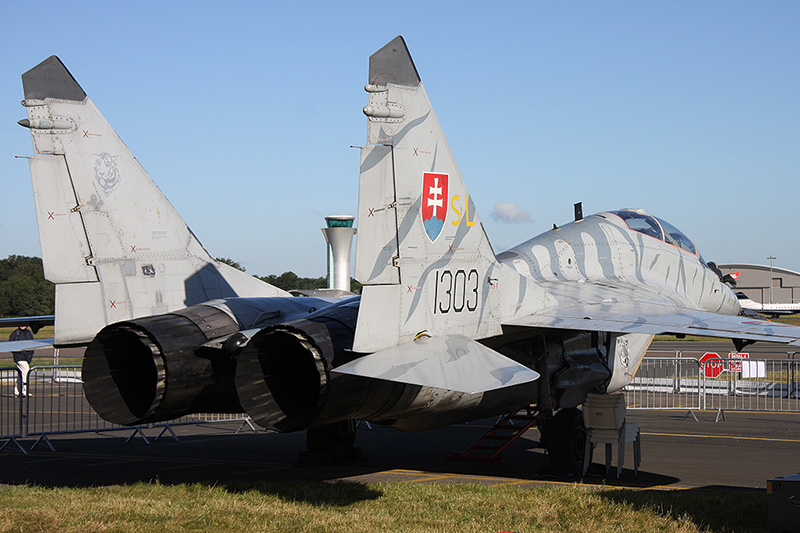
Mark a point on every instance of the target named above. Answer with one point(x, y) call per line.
point(653, 318)
point(452, 362)
point(18, 346)
point(35, 322)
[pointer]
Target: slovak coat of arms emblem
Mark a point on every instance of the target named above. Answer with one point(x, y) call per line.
point(434, 203)
point(106, 171)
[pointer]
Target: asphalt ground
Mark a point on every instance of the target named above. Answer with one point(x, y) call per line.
point(741, 452)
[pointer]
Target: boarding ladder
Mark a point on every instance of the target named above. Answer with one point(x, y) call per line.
point(507, 430)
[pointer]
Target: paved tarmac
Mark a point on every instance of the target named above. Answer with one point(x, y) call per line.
point(740, 453)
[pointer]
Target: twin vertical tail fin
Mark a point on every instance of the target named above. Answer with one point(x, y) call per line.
point(422, 253)
point(111, 242)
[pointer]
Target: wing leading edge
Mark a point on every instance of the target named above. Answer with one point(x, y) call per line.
point(18, 346)
point(655, 319)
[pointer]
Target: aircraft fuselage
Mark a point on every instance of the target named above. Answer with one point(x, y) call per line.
point(602, 250)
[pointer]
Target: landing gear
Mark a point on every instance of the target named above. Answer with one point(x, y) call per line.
point(566, 441)
point(334, 443)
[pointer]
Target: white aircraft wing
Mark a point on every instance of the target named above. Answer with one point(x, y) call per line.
point(18, 346)
point(33, 321)
point(652, 318)
point(452, 362)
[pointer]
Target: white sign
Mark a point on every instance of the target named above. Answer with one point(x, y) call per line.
point(754, 369)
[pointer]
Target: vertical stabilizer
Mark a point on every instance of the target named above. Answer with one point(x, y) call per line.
point(421, 242)
point(111, 242)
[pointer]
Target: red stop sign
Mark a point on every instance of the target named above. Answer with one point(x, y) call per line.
point(712, 364)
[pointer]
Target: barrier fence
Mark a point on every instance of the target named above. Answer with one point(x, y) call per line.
point(716, 383)
point(55, 404)
point(666, 383)
point(11, 415)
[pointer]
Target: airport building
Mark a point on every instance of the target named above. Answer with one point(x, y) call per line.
point(339, 232)
point(766, 284)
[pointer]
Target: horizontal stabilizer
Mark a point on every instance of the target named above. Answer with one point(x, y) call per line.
point(18, 346)
point(35, 322)
point(452, 362)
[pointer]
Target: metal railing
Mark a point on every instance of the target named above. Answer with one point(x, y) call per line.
point(721, 384)
point(12, 422)
point(754, 385)
point(56, 404)
point(666, 383)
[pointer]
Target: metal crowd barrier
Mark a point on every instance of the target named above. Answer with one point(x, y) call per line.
point(56, 405)
point(755, 385)
point(724, 384)
point(666, 383)
point(12, 425)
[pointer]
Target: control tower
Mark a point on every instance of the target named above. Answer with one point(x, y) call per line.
point(339, 236)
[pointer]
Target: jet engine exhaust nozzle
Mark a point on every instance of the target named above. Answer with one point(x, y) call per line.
point(156, 368)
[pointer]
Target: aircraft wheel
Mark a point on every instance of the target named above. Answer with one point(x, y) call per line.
point(335, 438)
point(566, 441)
point(331, 443)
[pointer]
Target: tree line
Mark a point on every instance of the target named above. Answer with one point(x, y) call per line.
point(289, 280)
point(23, 289)
point(25, 292)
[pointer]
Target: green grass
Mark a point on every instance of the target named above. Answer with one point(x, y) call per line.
point(348, 506)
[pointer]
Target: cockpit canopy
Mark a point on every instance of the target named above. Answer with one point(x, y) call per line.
point(657, 228)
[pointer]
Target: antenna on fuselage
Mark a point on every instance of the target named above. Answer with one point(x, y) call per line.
point(578, 211)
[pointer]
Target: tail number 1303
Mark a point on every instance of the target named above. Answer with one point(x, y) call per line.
point(455, 291)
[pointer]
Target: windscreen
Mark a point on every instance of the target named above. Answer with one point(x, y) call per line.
point(657, 228)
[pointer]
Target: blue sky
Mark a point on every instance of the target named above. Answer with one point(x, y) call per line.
point(244, 113)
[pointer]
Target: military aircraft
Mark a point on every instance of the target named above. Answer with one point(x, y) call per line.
point(445, 330)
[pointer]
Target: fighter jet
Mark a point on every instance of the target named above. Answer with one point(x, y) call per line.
point(445, 331)
point(578, 304)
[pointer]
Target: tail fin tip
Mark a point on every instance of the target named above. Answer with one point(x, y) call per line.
point(393, 64)
point(51, 79)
